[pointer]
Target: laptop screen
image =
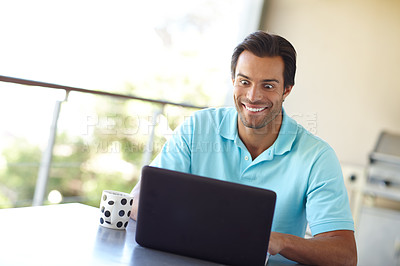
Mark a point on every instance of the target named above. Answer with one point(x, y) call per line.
point(204, 218)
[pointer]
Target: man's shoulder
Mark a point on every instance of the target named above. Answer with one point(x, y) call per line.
point(215, 111)
point(305, 140)
point(214, 114)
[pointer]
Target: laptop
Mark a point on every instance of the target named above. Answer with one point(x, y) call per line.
point(204, 218)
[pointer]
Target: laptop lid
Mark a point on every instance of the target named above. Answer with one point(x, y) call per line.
point(203, 217)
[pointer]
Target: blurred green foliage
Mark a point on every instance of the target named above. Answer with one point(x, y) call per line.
point(109, 157)
point(18, 180)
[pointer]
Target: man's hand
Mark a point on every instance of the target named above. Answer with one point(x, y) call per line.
point(135, 192)
point(330, 248)
point(276, 243)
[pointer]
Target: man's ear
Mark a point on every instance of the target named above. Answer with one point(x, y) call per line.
point(287, 91)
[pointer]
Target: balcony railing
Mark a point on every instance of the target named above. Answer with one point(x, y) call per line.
point(47, 155)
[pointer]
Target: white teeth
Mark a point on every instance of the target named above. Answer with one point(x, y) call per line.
point(254, 109)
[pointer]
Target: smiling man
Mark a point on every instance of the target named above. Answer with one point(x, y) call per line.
point(259, 93)
point(258, 144)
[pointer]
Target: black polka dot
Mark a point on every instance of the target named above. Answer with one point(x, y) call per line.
point(104, 197)
point(129, 213)
point(102, 209)
point(126, 224)
point(111, 202)
point(101, 220)
point(107, 214)
point(119, 224)
point(123, 201)
point(108, 222)
point(131, 202)
point(121, 213)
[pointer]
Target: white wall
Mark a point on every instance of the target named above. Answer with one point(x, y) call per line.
point(348, 69)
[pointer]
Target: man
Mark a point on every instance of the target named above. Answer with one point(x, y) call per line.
point(258, 144)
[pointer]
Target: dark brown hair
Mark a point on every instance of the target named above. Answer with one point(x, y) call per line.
point(263, 44)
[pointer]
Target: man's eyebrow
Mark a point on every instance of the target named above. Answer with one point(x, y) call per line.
point(264, 80)
point(270, 80)
point(242, 75)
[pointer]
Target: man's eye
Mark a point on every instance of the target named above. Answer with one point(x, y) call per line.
point(244, 82)
point(268, 86)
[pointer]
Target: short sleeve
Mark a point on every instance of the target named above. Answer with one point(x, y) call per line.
point(176, 152)
point(327, 204)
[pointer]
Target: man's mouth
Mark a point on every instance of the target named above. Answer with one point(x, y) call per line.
point(252, 109)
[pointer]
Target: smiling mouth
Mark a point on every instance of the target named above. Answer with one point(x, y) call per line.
point(256, 110)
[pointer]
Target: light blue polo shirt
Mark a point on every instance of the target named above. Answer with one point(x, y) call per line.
point(302, 169)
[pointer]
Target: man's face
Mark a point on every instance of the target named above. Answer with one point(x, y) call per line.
point(258, 89)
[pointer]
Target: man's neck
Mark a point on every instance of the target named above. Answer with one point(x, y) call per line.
point(259, 140)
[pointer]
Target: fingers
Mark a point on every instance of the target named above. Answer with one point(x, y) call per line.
point(135, 208)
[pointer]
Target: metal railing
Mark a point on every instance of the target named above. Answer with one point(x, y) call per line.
point(43, 173)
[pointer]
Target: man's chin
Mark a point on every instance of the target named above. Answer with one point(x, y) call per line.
point(253, 125)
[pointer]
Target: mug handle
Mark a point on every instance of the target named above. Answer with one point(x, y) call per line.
point(108, 205)
point(111, 204)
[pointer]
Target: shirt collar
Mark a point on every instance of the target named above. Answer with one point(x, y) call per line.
point(287, 135)
point(228, 126)
point(284, 142)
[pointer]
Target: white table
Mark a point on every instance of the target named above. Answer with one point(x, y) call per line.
point(69, 234)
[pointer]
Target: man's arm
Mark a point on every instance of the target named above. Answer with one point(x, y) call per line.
point(135, 193)
point(330, 248)
point(175, 155)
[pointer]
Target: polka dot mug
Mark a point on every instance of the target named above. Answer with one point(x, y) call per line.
point(115, 208)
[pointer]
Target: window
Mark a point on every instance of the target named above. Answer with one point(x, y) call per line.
point(171, 50)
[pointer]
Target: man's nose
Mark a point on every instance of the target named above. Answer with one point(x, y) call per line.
point(254, 94)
